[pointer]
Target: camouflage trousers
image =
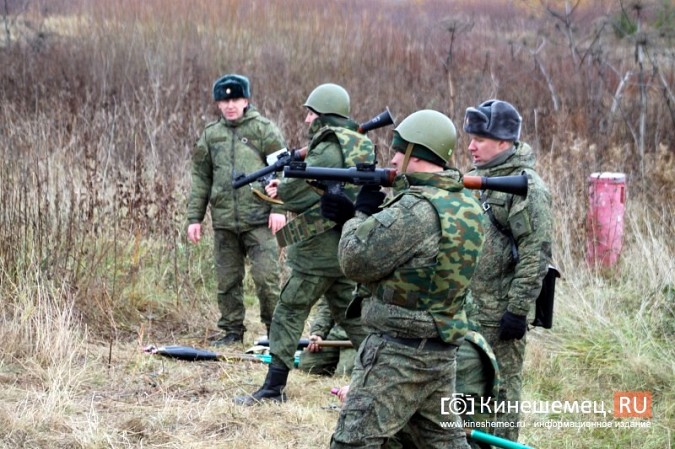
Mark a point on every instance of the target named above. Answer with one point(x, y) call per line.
point(298, 295)
point(230, 252)
point(510, 356)
point(394, 386)
point(472, 379)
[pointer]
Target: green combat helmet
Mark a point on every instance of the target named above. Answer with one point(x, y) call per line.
point(329, 99)
point(432, 130)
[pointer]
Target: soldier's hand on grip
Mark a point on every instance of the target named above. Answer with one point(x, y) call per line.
point(337, 207)
point(369, 199)
point(512, 326)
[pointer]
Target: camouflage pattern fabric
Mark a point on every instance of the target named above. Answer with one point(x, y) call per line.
point(393, 386)
point(230, 251)
point(423, 272)
point(223, 149)
point(428, 235)
point(510, 356)
point(315, 271)
point(328, 361)
point(499, 283)
point(239, 217)
point(356, 148)
point(482, 379)
point(477, 376)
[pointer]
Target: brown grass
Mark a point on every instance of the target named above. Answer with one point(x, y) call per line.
point(102, 102)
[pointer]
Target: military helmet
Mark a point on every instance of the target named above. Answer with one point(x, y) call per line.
point(329, 99)
point(432, 130)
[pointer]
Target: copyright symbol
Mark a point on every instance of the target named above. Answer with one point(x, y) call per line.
point(457, 405)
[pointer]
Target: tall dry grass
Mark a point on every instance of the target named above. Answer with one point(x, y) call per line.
point(102, 102)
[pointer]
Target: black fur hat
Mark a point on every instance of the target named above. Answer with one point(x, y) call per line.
point(231, 86)
point(495, 119)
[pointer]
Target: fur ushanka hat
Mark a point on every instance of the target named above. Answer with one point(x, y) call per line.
point(494, 119)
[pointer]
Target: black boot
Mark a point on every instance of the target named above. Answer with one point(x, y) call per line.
point(229, 339)
point(271, 390)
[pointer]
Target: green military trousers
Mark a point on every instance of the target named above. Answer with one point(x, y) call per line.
point(231, 250)
point(393, 386)
point(510, 356)
point(298, 295)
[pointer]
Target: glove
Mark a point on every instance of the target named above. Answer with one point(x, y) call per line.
point(369, 199)
point(512, 326)
point(337, 207)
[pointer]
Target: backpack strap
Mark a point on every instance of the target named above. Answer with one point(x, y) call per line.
point(249, 144)
point(501, 228)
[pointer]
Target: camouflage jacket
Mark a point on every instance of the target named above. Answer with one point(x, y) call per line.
point(499, 283)
point(316, 253)
point(224, 150)
point(417, 255)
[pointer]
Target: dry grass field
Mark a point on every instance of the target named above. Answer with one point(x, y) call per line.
point(101, 102)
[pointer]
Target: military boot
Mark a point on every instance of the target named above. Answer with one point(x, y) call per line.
point(272, 390)
point(228, 339)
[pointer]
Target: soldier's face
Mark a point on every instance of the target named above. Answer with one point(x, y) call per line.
point(397, 163)
point(233, 108)
point(311, 116)
point(484, 149)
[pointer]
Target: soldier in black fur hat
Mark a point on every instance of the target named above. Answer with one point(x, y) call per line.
point(517, 248)
point(243, 224)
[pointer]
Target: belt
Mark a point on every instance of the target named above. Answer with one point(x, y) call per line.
point(430, 344)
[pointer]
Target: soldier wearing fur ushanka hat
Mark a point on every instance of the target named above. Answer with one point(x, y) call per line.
point(231, 87)
point(238, 142)
point(495, 119)
point(516, 252)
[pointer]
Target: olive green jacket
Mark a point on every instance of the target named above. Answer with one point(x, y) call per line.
point(224, 150)
point(499, 283)
point(317, 255)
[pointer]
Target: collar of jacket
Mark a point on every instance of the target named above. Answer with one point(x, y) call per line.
point(448, 179)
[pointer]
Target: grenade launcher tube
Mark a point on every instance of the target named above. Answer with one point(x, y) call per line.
point(369, 175)
point(383, 119)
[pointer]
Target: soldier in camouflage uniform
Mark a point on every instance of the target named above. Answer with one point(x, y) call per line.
point(416, 255)
point(312, 240)
point(323, 360)
point(243, 223)
point(477, 382)
point(517, 249)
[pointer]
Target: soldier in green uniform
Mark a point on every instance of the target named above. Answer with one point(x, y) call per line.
point(416, 255)
point(311, 239)
point(243, 224)
point(517, 248)
point(326, 360)
point(477, 383)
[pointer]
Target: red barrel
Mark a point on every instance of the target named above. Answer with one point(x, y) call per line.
point(607, 202)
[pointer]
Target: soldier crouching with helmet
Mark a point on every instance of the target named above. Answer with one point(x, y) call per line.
point(416, 254)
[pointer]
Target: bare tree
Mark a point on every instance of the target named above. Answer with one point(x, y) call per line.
point(568, 28)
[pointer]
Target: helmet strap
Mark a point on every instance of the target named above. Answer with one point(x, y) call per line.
point(406, 156)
